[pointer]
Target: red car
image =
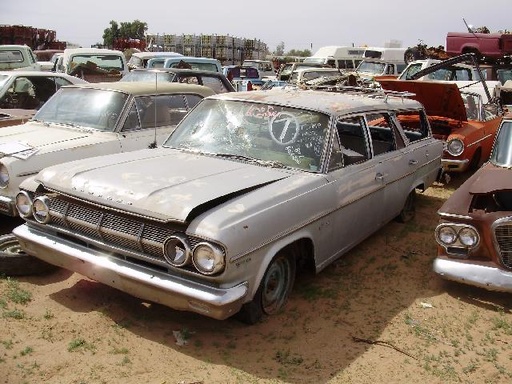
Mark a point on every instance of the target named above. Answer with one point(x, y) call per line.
point(459, 118)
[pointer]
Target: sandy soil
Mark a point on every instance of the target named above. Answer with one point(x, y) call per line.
point(378, 315)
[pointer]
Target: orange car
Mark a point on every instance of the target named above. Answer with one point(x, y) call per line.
point(459, 118)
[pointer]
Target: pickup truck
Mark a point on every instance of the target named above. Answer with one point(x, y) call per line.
point(486, 46)
point(18, 57)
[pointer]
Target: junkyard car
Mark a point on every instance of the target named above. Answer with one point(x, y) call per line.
point(248, 187)
point(214, 80)
point(88, 120)
point(476, 223)
point(461, 119)
point(31, 89)
point(18, 57)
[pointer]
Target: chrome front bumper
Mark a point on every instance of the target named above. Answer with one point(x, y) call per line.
point(491, 278)
point(450, 165)
point(145, 283)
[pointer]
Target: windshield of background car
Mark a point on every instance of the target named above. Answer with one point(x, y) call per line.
point(261, 133)
point(149, 76)
point(369, 67)
point(107, 62)
point(89, 108)
point(502, 151)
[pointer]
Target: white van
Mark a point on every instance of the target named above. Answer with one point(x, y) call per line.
point(340, 57)
point(379, 61)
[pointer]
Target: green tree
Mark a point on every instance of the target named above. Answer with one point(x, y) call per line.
point(128, 30)
point(279, 49)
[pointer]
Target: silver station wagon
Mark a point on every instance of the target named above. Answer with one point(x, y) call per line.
point(247, 189)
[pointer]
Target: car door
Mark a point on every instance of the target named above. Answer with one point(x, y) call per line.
point(393, 170)
point(152, 118)
point(357, 192)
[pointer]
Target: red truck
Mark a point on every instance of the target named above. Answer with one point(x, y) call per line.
point(486, 46)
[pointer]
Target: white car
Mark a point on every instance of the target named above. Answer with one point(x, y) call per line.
point(31, 89)
point(86, 120)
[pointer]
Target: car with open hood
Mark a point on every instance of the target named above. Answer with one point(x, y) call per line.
point(475, 225)
point(248, 188)
point(85, 120)
point(462, 119)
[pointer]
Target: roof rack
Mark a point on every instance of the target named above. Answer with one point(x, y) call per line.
point(371, 92)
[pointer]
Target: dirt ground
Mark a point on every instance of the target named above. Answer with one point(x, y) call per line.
point(378, 315)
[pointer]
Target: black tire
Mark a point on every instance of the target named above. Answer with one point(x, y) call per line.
point(274, 290)
point(412, 54)
point(409, 209)
point(15, 262)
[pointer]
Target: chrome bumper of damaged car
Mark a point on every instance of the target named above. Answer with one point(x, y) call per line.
point(483, 276)
point(450, 165)
point(7, 206)
point(160, 287)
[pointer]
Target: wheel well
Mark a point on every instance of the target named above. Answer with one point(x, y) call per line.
point(303, 250)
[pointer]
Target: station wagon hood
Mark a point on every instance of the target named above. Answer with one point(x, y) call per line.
point(439, 98)
point(161, 183)
point(36, 136)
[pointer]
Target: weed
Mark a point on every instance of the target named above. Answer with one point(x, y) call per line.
point(7, 344)
point(48, 314)
point(26, 351)
point(16, 294)
point(80, 345)
point(118, 351)
point(14, 314)
point(285, 358)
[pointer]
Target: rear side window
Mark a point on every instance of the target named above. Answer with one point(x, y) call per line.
point(414, 124)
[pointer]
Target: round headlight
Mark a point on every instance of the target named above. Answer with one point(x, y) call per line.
point(41, 209)
point(446, 235)
point(24, 204)
point(208, 258)
point(455, 147)
point(4, 176)
point(177, 250)
point(468, 237)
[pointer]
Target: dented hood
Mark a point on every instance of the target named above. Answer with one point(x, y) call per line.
point(491, 178)
point(439, 98)
point(162, 183)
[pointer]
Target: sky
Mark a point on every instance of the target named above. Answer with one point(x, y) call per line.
point(299, 25)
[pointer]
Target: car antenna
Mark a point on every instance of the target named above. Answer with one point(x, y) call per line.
point(153, 144)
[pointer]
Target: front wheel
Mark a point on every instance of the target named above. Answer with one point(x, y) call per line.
point(15, 262)
point(274, 290)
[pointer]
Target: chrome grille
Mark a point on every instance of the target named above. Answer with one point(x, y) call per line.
point(112, 228)
point(503, 234)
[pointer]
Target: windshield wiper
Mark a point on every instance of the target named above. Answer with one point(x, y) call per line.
point(252, 160)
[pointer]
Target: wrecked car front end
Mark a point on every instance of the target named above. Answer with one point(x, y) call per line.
point(475, 230)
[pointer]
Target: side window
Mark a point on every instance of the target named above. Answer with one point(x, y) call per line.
point(353, 140)
point(414, 124)
point(384, 134)
point(214, 83)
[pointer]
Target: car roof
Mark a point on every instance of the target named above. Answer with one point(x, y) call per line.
point(157, 54)
point(180, 71)
point(34, 73)
point(332, 103)
point(138, 88)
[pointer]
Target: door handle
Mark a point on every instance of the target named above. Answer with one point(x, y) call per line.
point(379, 177)
point(413, 162)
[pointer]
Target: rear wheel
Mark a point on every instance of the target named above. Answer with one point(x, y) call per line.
point(409, 209)
point(274, 290)
point(412, 54)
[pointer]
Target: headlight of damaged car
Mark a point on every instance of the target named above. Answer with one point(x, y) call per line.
point(4, 176)
point(455, 147)
point(208, 258)
point(457, 235)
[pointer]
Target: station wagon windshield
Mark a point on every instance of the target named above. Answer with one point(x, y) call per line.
point(91, 108)
point(245, 130)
